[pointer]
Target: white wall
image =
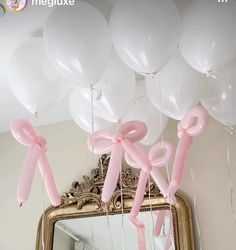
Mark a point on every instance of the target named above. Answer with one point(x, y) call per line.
point(71, 159)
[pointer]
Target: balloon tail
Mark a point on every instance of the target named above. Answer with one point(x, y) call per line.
point(122, 209)
point(108, 226)
point(150, 205)
point(167, 170)
point(195, 208)
point(43, 196)
point(92, 108)
point(212, 74)
point(92, 120)
point(21, 204)
point(162, 135)
point(230, 131)
point(152, 75)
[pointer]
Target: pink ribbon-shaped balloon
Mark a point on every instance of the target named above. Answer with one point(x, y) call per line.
point(25, 134)
point(161, 215)
point(103, 142)
point(194, 123)
point(158, 156)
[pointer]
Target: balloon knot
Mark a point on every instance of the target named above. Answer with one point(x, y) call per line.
point(181, 130)
point(212, 74)
point(41, 142)
point(117, 138)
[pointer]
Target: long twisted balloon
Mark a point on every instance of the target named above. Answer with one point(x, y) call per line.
point(193, 124)
point(158, 156)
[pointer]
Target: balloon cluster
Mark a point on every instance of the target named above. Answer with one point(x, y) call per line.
point(124, 142)
point(184, 59)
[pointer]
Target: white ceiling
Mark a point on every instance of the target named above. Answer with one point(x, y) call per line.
point(15, 28)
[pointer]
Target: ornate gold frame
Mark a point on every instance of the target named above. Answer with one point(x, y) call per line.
point(84, 200)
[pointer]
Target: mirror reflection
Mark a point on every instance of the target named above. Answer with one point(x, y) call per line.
point(113, 232)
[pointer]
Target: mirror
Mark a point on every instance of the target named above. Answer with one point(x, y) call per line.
point(83, 222)
point(86, 233)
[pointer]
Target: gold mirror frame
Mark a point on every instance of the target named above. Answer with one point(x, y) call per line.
point(84, 200)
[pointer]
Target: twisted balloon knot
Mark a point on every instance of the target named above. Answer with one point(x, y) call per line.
point(135, 221)
point(212, 74)
point(41, 141)
point(118, 137)
point(183, 131)
point(194, 123)
point(171, 199)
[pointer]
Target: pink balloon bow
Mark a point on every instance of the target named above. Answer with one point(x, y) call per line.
point(193, 124)
point(25, 134)
point(158, 156)
point(103, 142)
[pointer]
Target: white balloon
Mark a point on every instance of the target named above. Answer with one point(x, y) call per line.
point(209, 38)
point(33, 81)
point(220, 100)
point(176, 88)
point(143, 110)
point(82, 115)
point(145, 33)
point(113, 93)
point(78, 42)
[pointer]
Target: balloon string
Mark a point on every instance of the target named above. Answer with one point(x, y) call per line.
point(43, 217)
point(164, 228)
point(212, 74)
point(108, 226)
point(150, 205)
point(93, 243)
point(122, 200)
point(36, 116)
point(195, 207)
point(149, 188)
point(162, 134)
point(92, 107)
point(92, 117)
point(152, 75)
point(148, 230)
point(101, 164)
point(122, 210)
point(167, 166)
point(230, 131)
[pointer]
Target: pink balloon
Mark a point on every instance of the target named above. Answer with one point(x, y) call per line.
point(161, 214)
point(103, 142)
point(155, 161)
point(48, 178)
point(140, 232)
point(25, 134)
point(159, 221)
point(194, 123)
point(27, 174)
point(158, 156)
